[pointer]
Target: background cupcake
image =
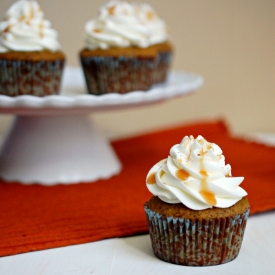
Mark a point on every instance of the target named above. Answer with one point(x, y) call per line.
point(123, 49)
point(163, 47)
point(31, 61)
point(198, 214)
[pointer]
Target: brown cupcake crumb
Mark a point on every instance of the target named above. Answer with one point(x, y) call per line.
point(118, 52)
point(181, 211)
point(162, 47)
point(33, 56)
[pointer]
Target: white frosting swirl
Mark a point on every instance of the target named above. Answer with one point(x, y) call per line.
point(195, 174)
point(25, 29)
point(121, 24)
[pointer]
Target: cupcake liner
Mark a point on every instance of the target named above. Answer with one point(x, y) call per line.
point(196, 242)
point(162, 66)
point(38, 78)
point(107, 74)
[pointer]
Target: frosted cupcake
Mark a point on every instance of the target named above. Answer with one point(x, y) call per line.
point(198, 214)
point(159, 41)
point(31, 61)
point(126, 49)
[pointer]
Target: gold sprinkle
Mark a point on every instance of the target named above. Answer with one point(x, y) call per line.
point(111, 10)
point(40, 26)
point(31, 14)
point(7, 28)
point(150, 15)
point(202, 153)
point(22, 18)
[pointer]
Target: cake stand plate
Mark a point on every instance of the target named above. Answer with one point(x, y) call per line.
point(54, 141)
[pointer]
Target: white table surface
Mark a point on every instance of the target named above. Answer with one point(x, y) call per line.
point(134, 256)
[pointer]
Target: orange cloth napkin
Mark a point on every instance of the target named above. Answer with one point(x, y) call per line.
point(37, 217)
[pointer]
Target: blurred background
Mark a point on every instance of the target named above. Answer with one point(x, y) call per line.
point(230, 43)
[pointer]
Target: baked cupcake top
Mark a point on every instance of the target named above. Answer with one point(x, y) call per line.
point(122, 24)
point(25, 29)
point(195, 174)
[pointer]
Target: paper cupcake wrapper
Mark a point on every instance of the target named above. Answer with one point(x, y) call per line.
point(118, 74)
point(163, 63)
point(196, 242)
point(39, 78)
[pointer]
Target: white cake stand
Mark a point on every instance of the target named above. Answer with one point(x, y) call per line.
point(53, 141)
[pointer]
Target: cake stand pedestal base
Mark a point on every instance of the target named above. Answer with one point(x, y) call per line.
point(50, 150)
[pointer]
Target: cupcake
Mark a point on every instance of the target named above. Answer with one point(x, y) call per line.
point(198, 213)
point(126, 49)
point(163, 47)
point(31, 62)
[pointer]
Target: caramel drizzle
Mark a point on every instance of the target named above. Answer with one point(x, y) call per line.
point(204, 190)
point(151, 179)
point(182, 174)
